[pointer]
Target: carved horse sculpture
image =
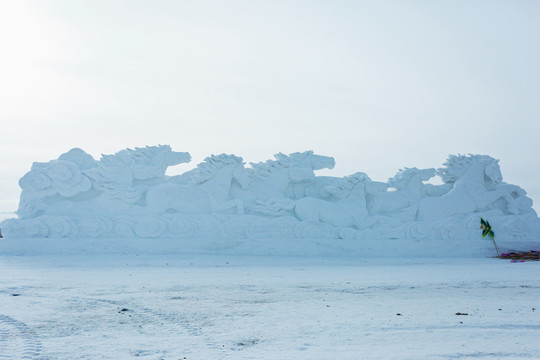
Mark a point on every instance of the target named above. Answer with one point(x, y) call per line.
point(120, 175)
point(409, 187)
point(270, 179)
point(476, 187)
point(349, 210)
point(209, 191)
point(316, 187)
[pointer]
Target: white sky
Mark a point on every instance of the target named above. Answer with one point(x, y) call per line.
point(379, 85)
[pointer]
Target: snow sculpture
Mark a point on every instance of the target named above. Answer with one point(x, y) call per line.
point(409, 189)
point(208, 191)
point(274, 178)
point(127, 194)
point(349, 210)
point(120, 175)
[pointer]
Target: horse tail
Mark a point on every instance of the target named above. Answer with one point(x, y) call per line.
point(275, 207)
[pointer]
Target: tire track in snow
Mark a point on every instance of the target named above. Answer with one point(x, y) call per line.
point(168, 322)
point(171, 321)
point(17, 340)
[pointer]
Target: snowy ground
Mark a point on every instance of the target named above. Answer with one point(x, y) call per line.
point(226, 307)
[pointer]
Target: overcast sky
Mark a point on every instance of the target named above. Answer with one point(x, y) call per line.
point(379, 85)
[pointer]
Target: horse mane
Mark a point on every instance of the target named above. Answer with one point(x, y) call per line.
point(117, 160)
point(146, 154)
point(456, 165)
point(105, 174)
point(344, 188)
point(264, 169)
point(138, 155)
point(402, 177)
point(208, 168)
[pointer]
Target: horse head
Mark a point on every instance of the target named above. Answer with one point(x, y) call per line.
point(215, 173)
point(354, 184)
point(492, 174)
point(426, 174)
point(163, 156)
point(303, 164)
point(319, 162)
point(176, 157)
point(404, 177)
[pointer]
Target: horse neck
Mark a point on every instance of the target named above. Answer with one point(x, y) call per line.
point(220, 183)
point(160, 161)
point(414, 185)
point(358, 193)
point(473, 175)
point(278, 180)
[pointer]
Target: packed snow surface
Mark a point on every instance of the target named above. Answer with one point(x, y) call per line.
point(92, 306)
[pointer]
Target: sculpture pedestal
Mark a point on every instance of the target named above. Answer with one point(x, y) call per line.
point(259, 247)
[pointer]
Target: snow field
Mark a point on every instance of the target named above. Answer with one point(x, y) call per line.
point(226, 307)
